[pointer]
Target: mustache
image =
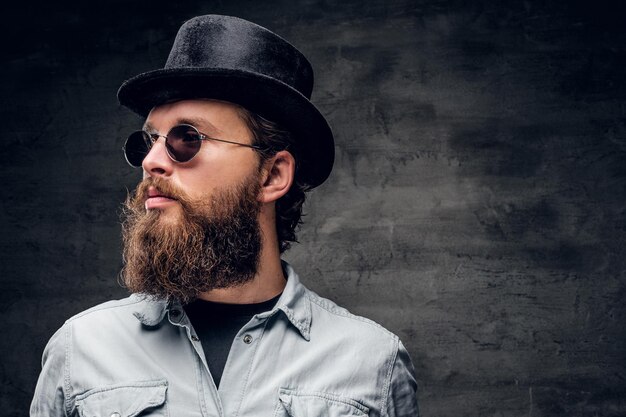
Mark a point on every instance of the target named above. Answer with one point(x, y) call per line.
point(163, 187)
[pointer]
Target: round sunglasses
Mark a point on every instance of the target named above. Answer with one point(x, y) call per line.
point(182, 143)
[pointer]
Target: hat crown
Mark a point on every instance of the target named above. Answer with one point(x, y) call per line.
point(214, 41)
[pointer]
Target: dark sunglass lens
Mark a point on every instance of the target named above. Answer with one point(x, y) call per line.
point(136, 148)
point(183, 142)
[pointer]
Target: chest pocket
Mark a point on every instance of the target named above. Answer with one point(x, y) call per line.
point(143, 398)
point(293, 403)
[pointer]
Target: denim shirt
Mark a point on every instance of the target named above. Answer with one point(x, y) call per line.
point(305, 357)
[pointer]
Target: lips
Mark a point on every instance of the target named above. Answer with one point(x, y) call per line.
point(157, 199)
point(153, 193)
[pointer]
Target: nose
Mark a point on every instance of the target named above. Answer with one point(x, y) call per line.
point(157, 162)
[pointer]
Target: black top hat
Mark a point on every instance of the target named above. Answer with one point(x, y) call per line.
point(231, 59)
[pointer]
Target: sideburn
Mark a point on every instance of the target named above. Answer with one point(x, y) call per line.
point(214, 242)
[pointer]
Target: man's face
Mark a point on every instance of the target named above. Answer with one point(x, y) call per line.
point(193, 227)
point(217, 166)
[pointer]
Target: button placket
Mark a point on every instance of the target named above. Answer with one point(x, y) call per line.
point(239, 364)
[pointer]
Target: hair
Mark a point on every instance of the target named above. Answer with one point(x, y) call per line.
point(274, 138)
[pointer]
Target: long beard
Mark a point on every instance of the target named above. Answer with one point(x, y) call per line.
point(211, 243)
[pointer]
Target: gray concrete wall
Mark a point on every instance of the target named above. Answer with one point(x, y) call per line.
point(476, 208)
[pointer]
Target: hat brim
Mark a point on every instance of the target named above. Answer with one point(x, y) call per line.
point(268, 97)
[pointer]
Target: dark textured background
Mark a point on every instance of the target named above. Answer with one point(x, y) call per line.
point(476, 208)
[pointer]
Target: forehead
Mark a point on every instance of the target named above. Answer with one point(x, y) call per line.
point(209, 116)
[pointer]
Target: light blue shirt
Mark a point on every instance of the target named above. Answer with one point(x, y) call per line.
point(305, 357)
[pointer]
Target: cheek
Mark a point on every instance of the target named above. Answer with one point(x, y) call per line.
point(227, 169)
point(200, 181)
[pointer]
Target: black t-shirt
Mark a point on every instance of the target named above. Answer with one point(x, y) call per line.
point(217, 324)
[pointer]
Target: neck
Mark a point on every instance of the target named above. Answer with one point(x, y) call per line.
point(269, 280)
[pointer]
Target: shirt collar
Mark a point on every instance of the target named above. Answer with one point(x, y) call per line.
point(150, 311)
point(293, 302)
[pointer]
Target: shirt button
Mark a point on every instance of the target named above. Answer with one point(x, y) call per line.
point(116, 414)
point(247, 339)
point(194, 338)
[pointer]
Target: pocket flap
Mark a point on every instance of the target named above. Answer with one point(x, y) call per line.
point(124, 400)
point(309, 403)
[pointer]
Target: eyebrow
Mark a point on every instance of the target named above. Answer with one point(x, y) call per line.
point(199, 123)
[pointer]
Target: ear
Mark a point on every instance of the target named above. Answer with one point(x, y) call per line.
point(280, 171)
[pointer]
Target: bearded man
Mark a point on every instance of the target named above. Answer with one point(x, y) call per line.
point(217, 324)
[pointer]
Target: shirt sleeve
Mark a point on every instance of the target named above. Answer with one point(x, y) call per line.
point(402, 397)
point(49, 398)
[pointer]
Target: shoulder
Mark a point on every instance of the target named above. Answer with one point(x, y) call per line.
point(367, 349)
point(330, 322)
point(328, 317)
point(108, 310)
point(111, 307)
point(94, 321)
point(128, 312)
